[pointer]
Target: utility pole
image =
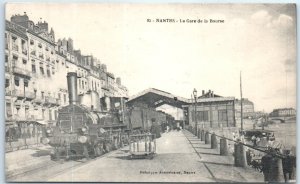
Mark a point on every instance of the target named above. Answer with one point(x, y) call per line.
point(241, 100)
point(195, 96)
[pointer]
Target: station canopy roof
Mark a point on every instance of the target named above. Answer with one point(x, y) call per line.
point(155, 98)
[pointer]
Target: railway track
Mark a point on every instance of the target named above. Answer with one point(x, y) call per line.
point(49, 169)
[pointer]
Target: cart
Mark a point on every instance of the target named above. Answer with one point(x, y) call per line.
point(142, 146)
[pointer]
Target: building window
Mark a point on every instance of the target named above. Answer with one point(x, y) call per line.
point(24, 61)
point(59, 96)
point(17, 82)
point(6, 58)
point(40, 45)
point(27, 112)
point(26, 83)
point(33, 68)
point(48, 73)
point(43, 113)
point(6, 83)
point(50, 114)
point(33, 52)
point(42, 94)
point(15, 58)
point(31, 42)
point(200, 115)
point(222, 115)
point(8, 109)
point(6, 43)
point(14, 38)
point(42, 70)
point(65, 98)
point(55, 114)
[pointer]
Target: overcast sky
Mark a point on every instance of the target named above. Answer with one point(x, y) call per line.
point(259, 40)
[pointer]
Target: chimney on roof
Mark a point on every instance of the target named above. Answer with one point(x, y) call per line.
point(209, 93)
point(212, 94)
point(203, 92)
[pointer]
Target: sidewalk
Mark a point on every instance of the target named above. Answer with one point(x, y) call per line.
point(221, 168)
point(23, 160)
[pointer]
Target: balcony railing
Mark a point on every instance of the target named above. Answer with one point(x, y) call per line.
point(15, 47)
point(15, 93)
point(29, 94)
point(8, 92)
point(58, 102)
point(50, 100)
point(19, 93)
point(105, 87)
point(38, 100)
point(24, 51)
point(21, 71)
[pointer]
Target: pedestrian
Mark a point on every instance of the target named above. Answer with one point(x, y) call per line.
point(253, 139)
point(242, 138)
point(234, 136)
point(248, 157)
point(266, 165)
point(257, 140)
point(288, 165)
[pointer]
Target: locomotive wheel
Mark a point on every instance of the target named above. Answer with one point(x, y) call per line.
point(72, 155)
point(97, 150)
point(55, 156)
point(108, 147)
point(85, 152)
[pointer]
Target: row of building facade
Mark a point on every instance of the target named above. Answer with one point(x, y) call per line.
point(36, 66)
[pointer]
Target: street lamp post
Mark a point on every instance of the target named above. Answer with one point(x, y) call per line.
point(196, 122)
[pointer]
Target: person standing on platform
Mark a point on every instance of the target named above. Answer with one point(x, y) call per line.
point(288, 165)
point(253, 139)
point(266, 161)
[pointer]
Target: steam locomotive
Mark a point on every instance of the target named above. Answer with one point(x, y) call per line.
point(83, 130)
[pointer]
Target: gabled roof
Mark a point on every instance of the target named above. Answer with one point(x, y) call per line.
point(155, 97)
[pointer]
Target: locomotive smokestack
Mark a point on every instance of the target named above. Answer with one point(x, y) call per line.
point(72, 88)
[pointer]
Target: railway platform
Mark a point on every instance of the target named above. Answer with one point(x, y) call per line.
point(181, 157)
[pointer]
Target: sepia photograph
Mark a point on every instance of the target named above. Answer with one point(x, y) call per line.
point(133, 92)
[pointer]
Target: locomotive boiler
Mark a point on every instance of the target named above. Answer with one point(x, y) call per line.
point(82, 130)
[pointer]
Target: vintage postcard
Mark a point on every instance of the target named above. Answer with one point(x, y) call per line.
point(150, 92)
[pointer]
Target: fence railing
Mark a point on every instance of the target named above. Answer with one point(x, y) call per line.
point(271, 163)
